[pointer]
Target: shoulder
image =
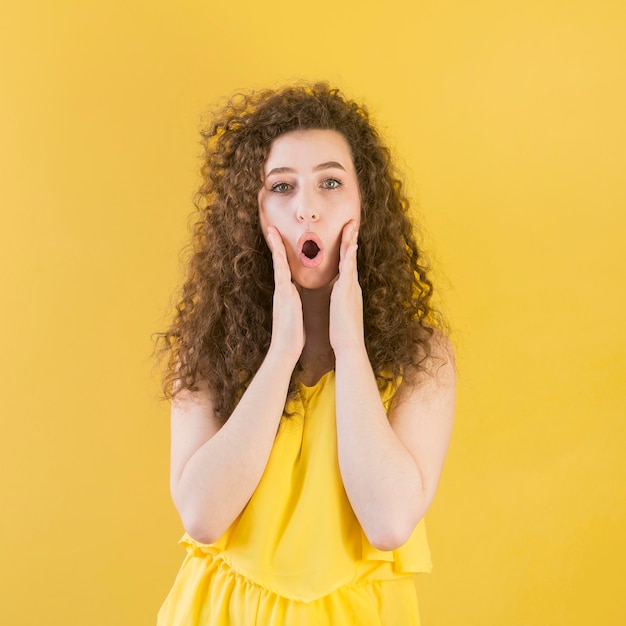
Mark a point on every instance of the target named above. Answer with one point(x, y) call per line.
point(196, 407)
point(440, 364)
point(437, 371)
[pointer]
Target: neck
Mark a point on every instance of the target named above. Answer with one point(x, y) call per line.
point(317, 356)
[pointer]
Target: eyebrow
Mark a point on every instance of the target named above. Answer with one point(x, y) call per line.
point(322, 166)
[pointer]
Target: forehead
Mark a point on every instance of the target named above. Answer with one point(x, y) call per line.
point(309, 147)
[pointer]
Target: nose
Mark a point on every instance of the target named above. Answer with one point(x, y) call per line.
point(307, 211)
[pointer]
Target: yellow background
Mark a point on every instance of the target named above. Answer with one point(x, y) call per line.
point(508, 118)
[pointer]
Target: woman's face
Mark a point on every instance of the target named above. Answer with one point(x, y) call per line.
point(310, 192)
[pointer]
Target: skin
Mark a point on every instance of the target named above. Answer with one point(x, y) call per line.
point(309, 186)
point(390, 464)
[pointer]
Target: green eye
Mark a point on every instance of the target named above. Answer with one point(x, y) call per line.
point(281, 187)
point(331, 183)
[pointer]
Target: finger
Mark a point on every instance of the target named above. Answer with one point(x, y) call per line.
point(346, 238)
point(347, 264)
point(282, 273)
point(274, 240)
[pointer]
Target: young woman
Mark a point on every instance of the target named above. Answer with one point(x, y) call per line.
point(312, 386)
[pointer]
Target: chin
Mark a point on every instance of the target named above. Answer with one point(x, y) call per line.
point(315, 281)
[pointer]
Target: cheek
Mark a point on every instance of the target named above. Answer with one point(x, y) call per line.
point(356, 209)
point(348, 208)
point(276, 216)
point(266, 220)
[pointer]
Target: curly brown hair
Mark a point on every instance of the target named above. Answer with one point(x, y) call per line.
point(222, 325)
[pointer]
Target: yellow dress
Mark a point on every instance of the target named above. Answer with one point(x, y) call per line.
point(297, 554)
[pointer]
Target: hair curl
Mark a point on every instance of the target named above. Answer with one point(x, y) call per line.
point(222, 325)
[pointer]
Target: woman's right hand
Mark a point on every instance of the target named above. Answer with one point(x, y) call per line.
point(287, 322)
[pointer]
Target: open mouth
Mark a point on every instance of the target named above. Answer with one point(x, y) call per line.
point(311, 253)
point(310, 249)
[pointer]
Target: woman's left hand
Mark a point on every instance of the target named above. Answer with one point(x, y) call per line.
point(346, 300)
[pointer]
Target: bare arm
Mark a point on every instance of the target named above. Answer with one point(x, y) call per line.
point(214, 471)
point(390, 466)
